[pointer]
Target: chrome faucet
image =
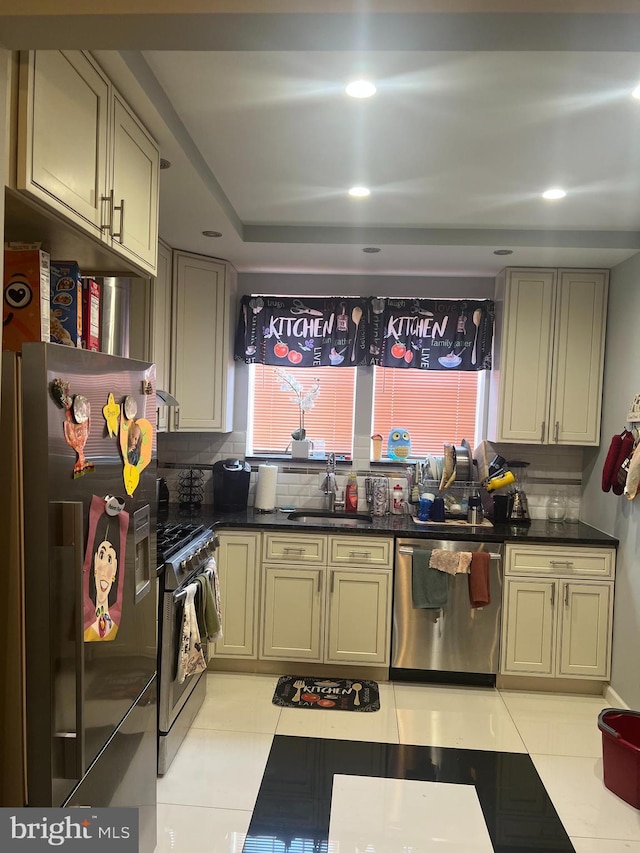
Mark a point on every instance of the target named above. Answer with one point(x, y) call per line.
point(330, 485)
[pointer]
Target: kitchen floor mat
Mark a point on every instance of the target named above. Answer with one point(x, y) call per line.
point(327, 694)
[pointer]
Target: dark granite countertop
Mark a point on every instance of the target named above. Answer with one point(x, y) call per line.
point(396, 525)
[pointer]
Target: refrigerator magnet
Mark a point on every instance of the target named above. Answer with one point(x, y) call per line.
point(76, 436)
point(103, 572)
point(81, 409)
point(130, 408)
point(60, 393)
point(111, 413)
point(136, 442)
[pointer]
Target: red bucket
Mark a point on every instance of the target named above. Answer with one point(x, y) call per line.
point(621, 753)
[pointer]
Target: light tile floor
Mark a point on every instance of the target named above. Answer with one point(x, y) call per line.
point(206, 799)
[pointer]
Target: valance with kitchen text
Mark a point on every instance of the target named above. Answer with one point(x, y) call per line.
point(427, 334)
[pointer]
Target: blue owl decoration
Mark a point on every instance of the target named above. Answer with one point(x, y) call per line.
point(399, 444)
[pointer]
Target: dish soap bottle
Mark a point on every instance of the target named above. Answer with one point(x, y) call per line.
point(351, 494)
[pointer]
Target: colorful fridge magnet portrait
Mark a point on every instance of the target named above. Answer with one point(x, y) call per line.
point(103, 572)
point(77, 423)
point(136, 442)
point(111, 413)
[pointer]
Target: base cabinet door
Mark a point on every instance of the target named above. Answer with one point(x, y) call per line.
point(529, 628)
point(238, 574)
point(292, 613)
point(358, 628)
point(585, 620)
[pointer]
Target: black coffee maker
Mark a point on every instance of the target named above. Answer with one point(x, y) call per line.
point(231, 485)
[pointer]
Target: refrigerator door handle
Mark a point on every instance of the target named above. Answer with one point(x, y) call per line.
point(68, 534)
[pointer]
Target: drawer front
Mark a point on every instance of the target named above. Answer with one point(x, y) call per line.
point(295, 548)
point(360, 551)
point(560, 562)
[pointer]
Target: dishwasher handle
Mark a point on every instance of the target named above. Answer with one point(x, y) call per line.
point(403, 549)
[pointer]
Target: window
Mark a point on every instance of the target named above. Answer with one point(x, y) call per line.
point(434, 406)
point(273, 416)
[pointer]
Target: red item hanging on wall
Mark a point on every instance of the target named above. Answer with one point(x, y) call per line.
point(626, 450)
point(609, 469)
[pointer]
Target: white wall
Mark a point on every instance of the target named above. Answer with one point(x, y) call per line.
point(615, 515)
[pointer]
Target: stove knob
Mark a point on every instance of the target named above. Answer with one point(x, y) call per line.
point(183, 566)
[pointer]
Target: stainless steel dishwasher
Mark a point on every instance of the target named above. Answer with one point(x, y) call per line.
point(454, 644)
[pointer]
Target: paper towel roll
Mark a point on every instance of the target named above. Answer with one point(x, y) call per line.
point(266, 488)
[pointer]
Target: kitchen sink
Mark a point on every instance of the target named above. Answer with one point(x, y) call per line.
point(343, 519)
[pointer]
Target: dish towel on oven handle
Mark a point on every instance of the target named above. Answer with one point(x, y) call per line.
point(191, 657)
point(212, 615)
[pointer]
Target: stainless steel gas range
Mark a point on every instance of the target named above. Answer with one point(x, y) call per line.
point(184, 548)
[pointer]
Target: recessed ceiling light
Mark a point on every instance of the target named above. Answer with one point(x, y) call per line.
point(165, 164)
point(212, 233)
point(371, 250)
point(359, 192)
point(360, 89)
point(636, 93)
point(554, 193)
point(503, 252)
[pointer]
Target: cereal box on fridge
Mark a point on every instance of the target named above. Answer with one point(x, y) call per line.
point(66, 303)
point(91, 297)
point(25, 303)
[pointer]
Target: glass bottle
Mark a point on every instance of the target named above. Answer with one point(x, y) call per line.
point(556, 506)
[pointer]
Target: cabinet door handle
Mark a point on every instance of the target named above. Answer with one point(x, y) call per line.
point(567, 563)
point(542, 432)
point(109, 200)
point(553, 595)
point(557, 430)
point(293, 550)
point(120, 233)
point(319, 582)
point(177, 419)
point(566, 595)
point(332, 580)
point(364, 554)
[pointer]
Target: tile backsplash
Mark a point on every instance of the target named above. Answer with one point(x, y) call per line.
point(299, 483)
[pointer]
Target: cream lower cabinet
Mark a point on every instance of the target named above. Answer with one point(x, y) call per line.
point(238, 564)
point(558, 626)
point(333, 605)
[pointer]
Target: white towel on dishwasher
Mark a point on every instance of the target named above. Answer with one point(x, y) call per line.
point(190, 656)
point(451, 562)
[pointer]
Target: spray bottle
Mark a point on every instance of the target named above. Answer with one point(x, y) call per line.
point(351, 494)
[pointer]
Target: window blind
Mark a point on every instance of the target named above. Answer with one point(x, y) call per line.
point(435, 407)
point(275, 416)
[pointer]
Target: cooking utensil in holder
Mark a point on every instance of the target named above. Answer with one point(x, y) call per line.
point(191, 488)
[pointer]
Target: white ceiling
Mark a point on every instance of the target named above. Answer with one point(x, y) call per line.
point(456, 146)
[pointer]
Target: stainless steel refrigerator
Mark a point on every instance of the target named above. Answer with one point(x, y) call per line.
point(78, 716)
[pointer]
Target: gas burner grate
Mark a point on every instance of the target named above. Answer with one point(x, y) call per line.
point(172, 537)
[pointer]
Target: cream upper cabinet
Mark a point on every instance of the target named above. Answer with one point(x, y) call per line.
point(560, 623)
point(202, 369)
point(546, 386)
point(133, 197)
point(83, 153)
point(150, 325)
point(63, 134)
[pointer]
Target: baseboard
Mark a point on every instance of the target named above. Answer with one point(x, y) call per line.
point(318, 670)
point(537, 684)
point(614, 699)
